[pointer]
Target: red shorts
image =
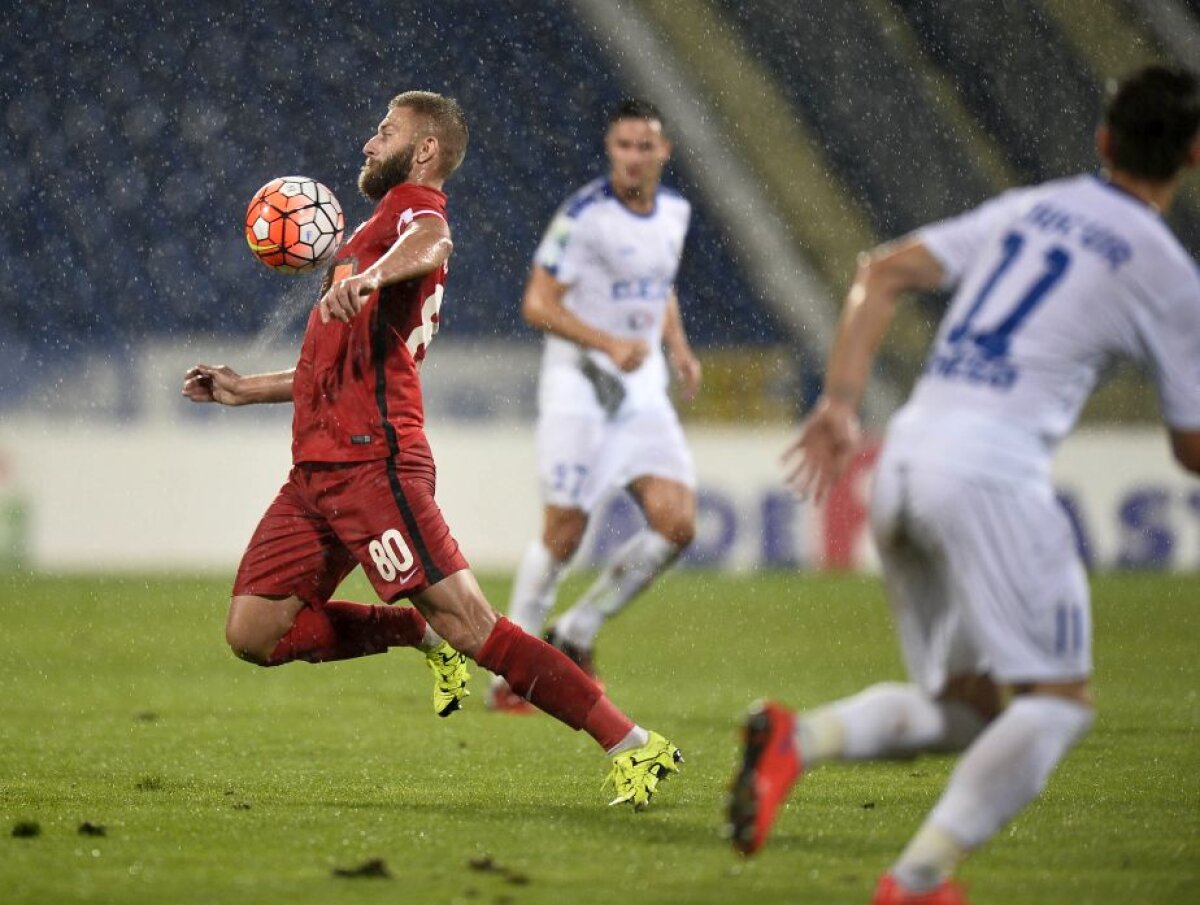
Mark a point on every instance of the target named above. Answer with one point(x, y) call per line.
point(330, 517)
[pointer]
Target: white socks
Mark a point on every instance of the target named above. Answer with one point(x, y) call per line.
point(1008, 765)
point(635, 564)
point(1005, 767)
point(634, 738)
point(535, 587)
point(930, 858)
point(885, 720)
point(429, 640)
point(1003, 771)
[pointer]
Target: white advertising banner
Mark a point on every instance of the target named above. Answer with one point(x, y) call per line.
point(187, 496)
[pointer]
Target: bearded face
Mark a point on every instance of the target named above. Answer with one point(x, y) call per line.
point(379, 176)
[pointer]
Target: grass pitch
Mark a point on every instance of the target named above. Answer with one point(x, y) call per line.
point(214, 781)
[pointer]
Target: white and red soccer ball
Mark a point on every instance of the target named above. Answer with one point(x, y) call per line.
point(294, 224)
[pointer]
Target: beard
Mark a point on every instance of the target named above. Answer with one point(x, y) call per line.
point(378, 177)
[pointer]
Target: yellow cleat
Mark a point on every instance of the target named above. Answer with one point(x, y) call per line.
point(636, 773)
point(450, 678)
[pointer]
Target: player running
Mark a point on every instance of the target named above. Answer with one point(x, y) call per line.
point(989, 595)
point(361, 490)
point(602, 289)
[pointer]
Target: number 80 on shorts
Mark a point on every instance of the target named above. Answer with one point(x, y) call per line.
point(391, 554)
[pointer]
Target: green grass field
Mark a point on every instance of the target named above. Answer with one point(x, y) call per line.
point(220, 782)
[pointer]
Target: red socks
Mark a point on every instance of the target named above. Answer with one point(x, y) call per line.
point(538, 672)
point(548, 679)
point(341, 630)
point(606, 724)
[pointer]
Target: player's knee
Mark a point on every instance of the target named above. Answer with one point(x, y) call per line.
point(246, 646)
point(255, 625)
point(248, 641)
point(671, 514)
point(258, 658)
point(977, 692)
point(681, 532)
point(562, 538)
point(677, 528)
point(562, 547)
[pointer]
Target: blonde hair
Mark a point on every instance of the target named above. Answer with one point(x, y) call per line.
point(444, 119)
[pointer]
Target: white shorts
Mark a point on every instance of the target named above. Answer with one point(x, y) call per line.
point(982, 577)
point(581, 457)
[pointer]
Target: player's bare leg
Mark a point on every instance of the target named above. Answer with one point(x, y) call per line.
point(254, 625)
point(670, 510)
point(271, 631)
point(459, 612)
point(542, 568)
point(669, 507)
point(562, 531)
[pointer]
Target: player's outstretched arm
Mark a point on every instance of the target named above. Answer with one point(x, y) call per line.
point(830, 436)
point(223, 385)
point(543, 309)
point(684, 362)
point(422, 248)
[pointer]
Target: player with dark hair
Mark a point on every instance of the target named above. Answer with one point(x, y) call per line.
point(602, 290)
point(361, 490)
point(988, 593)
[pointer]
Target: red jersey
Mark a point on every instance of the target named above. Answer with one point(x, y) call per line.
point(356, 391)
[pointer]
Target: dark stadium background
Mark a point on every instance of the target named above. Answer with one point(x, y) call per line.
point(133, 142)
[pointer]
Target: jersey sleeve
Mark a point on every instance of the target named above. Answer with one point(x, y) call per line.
point(957, 241)
point(563, 248)
point(1170, 335)
point(409, 202)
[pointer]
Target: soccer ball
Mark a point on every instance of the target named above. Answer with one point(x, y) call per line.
point(294, 224)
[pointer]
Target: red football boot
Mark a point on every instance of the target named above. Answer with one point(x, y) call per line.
point(770, 767)
point(889, 892)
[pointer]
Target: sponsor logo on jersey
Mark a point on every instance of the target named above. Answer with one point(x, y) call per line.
point(645, 289)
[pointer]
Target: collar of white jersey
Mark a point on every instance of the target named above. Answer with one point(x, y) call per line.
point(1125, 193)
point(610, 192)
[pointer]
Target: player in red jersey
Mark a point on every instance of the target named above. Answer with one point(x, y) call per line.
point(361, 490)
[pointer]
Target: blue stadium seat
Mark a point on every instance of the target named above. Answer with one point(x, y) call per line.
point(134, 146)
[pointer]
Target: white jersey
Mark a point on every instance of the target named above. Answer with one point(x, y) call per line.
point(1052, 283)
point(620, 268)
